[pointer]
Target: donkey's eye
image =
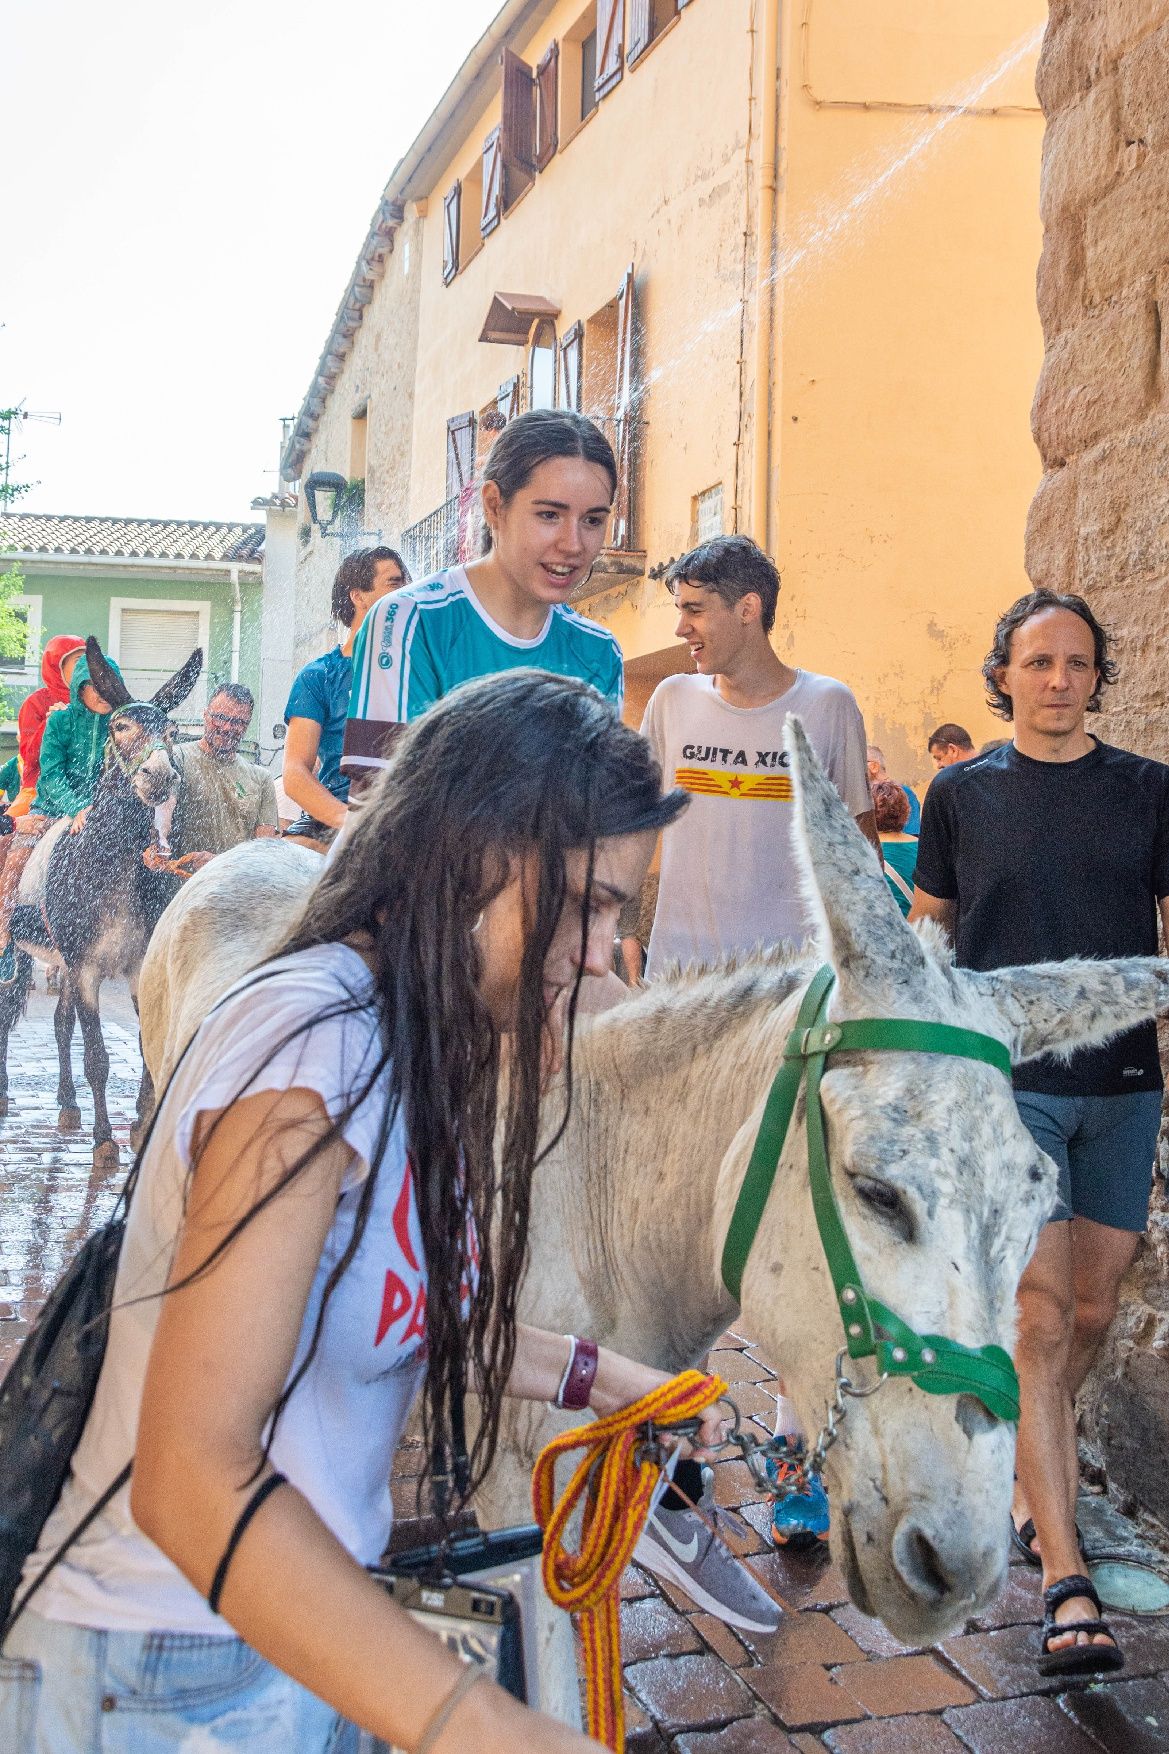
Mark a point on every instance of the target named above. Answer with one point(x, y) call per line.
point(883, 1199)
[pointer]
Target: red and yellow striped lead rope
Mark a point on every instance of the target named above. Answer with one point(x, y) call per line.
point(616, 1489)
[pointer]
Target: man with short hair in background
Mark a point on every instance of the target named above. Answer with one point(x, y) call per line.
point(223, 799)
point(949, 745)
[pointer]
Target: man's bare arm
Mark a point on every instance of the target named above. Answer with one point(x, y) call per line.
point(933, 907)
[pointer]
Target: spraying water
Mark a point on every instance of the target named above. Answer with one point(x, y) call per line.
point(825, 234)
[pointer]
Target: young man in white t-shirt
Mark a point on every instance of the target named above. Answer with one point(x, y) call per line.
point(730, 881)
point(729, 878)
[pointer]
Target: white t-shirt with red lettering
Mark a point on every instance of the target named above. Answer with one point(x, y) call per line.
point(336, 1438)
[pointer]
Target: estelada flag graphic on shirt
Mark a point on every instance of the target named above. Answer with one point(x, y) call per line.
point(722, 782)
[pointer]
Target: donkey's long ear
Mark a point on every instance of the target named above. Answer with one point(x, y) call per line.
point(104, 677)
point(1057, 1007)
point(175, 692)
point(862, 930)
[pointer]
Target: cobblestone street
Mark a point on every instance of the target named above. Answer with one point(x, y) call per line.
point(828, 1679)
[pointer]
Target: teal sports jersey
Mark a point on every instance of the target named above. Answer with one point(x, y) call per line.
point(420, 642)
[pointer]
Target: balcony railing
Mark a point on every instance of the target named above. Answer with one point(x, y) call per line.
point(433, 542)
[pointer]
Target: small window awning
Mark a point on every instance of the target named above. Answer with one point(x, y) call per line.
point(512, 314)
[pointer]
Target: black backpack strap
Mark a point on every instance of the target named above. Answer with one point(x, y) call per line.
point(75, 1534)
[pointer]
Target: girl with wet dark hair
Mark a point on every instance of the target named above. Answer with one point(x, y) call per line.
point(547, 493)
point(323, 1227)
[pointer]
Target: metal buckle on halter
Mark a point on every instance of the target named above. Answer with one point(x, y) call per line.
point(817, 1038)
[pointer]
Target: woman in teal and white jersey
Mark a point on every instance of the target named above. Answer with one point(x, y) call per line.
point(548, 489)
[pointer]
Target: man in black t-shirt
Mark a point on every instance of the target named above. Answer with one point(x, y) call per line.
point(1056, 846)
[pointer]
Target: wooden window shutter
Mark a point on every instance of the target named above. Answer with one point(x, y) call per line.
point(641, 20)
point(508, 400)
point(610, 44)
point(492, 183)
point(460, 453)
point(623, 413)
point(572, 368)
point(451, 210)
point(518, 125)
point(547, 116)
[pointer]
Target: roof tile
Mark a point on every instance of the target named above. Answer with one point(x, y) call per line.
point(131, 538)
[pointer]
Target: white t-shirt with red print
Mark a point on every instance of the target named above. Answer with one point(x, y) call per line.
point(336, 1438)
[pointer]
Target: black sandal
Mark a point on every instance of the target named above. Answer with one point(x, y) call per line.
point(1076, 1659)
point(1022, 1535)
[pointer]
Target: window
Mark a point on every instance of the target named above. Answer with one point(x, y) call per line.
point(470, 239)
point(572, 368)
point(588, 75)
point(708, 514)
point(508, 400)
point(547, 107)
point(542, 365)
point(28, 610)
point(578, 72)
point(460, 454)
point(452, 204)
point(492, 183)
point(150, 638)
point(609, 397)
point(610, 44)
point(647, 20)
point(517, 128)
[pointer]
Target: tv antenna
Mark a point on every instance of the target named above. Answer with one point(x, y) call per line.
point(9, 418)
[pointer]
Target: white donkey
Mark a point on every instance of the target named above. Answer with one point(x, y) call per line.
point(941, 1189)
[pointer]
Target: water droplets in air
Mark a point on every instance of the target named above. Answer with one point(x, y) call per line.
point(855, 204)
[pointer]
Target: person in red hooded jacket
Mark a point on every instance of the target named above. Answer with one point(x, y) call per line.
point(61, 654)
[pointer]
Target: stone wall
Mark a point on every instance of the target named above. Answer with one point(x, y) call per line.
point(1099, 523)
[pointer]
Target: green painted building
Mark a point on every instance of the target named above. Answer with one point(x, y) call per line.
point(151, 589)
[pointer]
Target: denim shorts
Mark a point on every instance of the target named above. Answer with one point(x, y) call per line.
point(68, 1689)
point(1103, 1147)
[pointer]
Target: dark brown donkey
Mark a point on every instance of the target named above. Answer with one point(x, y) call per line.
point(89, 901)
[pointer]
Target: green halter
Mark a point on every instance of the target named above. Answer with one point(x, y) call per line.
point(936, 1364)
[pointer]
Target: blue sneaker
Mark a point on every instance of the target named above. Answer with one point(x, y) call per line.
point(799, 1516)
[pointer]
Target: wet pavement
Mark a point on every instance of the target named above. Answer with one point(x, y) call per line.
point(829, 1679)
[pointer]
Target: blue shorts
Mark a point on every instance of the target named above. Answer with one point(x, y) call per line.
point(68, 1689)
point(1103, 1147)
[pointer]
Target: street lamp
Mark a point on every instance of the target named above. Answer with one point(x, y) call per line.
point(324, 494)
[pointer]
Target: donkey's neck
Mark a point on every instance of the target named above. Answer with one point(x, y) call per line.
point(107, 854)
point(664, 1084)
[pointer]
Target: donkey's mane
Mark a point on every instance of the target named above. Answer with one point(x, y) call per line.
point(647, 1028)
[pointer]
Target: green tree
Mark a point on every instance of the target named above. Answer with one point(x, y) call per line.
point(13, 623)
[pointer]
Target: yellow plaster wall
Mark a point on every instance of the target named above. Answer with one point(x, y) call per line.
point(905, 338)
point(656, 176)
point(907, 352)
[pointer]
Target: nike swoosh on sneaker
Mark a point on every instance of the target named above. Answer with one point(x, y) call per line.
point(686, 1551)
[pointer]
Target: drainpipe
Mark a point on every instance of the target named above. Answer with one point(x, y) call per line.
point(765, 292)
point(237, 610)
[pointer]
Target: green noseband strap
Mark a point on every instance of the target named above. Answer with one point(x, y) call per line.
point(936, 1364)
